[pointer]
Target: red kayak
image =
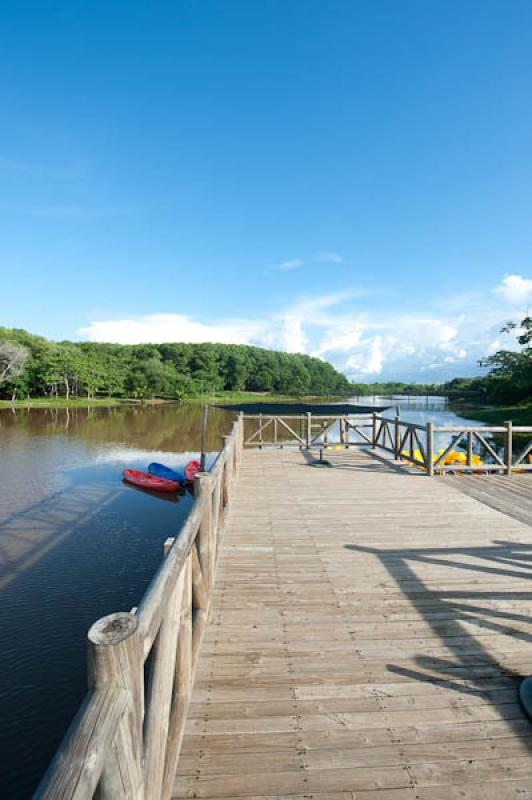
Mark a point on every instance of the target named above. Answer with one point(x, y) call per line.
point(191, 470)
point(148, 481)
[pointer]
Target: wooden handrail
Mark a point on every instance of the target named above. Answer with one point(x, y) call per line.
point(77, 766)
point(126, 737)
point(406, 441)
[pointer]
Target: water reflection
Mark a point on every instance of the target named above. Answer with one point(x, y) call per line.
point(75, 543)
point(166, 428)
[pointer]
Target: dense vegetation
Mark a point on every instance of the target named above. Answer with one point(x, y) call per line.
point(32, 366)
point(510, 377)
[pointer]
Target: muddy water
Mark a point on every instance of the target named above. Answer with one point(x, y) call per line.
point(75, 544)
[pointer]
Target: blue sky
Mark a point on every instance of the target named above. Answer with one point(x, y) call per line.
point(349, 179)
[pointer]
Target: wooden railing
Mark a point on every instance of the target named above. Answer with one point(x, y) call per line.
point(406, 441)
point(307, 430)
point(125, 740)
point(478, 446)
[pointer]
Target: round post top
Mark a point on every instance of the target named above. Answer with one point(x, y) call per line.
point(113, 629)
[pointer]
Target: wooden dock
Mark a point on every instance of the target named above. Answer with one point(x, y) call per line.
point(369, 631)
point(356, 631)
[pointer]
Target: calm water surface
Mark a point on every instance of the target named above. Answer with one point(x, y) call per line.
point(76, 543)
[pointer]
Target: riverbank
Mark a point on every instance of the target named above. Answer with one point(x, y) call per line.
point(520, 415)
point(60, 402)
point(220, 397)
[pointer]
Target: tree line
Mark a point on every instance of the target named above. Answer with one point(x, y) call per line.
point(31, 366)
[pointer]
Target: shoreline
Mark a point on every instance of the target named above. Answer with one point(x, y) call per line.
point(498, 415)
point(107, 402)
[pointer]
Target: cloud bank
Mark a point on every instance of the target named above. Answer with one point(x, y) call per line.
point(365, 344)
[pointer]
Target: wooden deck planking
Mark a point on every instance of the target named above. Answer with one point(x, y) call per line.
point(510, 496)
point(369, 631)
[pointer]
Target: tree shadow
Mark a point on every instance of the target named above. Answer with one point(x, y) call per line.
point(452, 613)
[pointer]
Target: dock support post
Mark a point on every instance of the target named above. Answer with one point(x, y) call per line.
point(508, 449)
point(114, 661)
point(430, 449)
point(309, 429)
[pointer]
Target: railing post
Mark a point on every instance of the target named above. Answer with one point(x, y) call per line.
point(260, 431)
point(374, 432)
point(469, 456)
point(206, 545)
point(160, 691)
point(182, 682)
point(309, 429)
point(240, 438)
point(430, 449)
point(508, 450)
point(397, 443)
point(114, 661)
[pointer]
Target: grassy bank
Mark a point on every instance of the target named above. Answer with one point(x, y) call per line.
point(259, 397)
point(220, 397)
point(60, 402)
point(520, 415)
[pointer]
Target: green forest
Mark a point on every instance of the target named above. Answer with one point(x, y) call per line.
point(31, 366)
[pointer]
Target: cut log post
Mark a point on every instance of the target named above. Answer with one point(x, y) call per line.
point(205, 540)
point(160, 692)
point(114, 661)
point(182, 684)
point(228, 468)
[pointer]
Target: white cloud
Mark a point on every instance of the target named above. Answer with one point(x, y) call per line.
point(515, 289)
point(157, 328)
point(328, 257)
point(292, 263)
point(359, 339)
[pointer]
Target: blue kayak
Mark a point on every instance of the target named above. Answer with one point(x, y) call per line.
point(162, 471)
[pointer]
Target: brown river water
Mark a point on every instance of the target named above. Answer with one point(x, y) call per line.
point(76, 543)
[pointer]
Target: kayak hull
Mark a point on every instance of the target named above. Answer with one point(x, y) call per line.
point(191, 470)
point(162, 471)
point(147, 481)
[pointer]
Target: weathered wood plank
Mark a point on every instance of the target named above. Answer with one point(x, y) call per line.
point(369, 628)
